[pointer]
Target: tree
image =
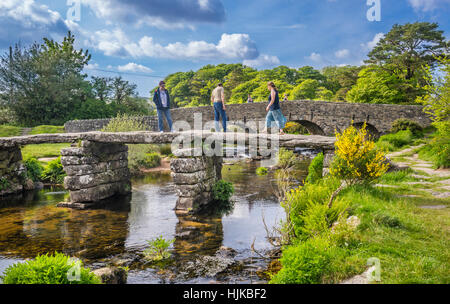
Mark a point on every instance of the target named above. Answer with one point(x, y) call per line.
point(44, 83)
point(406, 49)
point(102, 88)
point(377, 86)
point(305, 90)
point(340, 80)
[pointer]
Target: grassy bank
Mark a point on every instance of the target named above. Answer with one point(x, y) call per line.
point(336, 224)
point(9, 131)
point(43, 150)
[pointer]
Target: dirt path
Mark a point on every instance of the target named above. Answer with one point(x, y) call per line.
point(26, 131)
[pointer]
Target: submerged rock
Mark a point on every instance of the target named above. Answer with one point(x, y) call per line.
point(112, 275)
point(207, 266)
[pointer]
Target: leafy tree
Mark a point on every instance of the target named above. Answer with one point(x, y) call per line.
point(305, 90)
point(340, 80)
point(377, 86)
point(406, 49)
point(101, 88)
point(44, 83)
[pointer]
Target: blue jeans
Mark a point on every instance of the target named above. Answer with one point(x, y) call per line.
point(220, 112)
point(164, 112)
point(277, 117)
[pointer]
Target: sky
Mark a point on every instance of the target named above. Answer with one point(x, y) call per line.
point(145, 40)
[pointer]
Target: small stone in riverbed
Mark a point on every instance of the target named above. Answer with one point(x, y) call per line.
point(112, 275)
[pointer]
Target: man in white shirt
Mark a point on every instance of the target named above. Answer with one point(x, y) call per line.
point(218, 100)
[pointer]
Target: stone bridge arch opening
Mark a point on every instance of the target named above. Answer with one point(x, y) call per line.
point(313, 128)
point(371, 130)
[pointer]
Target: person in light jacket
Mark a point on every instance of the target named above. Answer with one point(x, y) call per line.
point(161, 98)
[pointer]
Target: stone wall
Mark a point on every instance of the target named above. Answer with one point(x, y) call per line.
point(80, 126)
point(194, 178)
point(95, 171)
point(12, 171)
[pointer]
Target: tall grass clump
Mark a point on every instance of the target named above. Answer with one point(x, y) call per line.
point(34, 169)
point(54, 172)
point(49, 269)
point(315, 169)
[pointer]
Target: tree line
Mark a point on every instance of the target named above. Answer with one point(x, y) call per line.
point(45, 83)
point(394, 73)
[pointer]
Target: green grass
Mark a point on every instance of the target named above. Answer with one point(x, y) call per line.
point(47, 130)
point(412, 243)
point(43, 150)
point(9, 131)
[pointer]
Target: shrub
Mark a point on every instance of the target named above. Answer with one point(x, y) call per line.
point(125, 123)
point(165, 150)
point(286, 158)
point(49, 269)
point(304, 263)
point(261, 171)
point(357, 159)
point(312, 196)
point(392, 142)
point(406, 124)
point(315, 170)
point(150, 160)
point(34, 169)
point(295, 128)
point(438, 150)
point(54, 172)
point(223, 191)
point(158, 249)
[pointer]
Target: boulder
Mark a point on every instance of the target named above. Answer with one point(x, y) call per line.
point(112, 275)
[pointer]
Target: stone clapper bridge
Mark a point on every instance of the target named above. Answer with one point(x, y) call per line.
point(97, 163)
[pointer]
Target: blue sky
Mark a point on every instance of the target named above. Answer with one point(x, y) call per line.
point(137, 38)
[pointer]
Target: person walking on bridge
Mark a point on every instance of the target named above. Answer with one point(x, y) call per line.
point(218, 100)
point(274, 113)
point(162, 100)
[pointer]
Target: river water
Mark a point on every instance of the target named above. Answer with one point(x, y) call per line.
point(118, 235)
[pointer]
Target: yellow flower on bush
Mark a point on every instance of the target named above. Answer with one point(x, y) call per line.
point(357, 158)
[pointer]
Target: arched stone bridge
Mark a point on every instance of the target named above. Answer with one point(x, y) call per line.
point(97, 163)
point(319, 117)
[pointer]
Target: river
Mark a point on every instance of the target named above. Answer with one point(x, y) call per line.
point(118, 235)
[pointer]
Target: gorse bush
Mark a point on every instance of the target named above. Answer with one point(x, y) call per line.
point(54, 172)
point(34, 169)
point(295, 128)
point(49, 269)
point(315, 169)
point(406, 124)
point(357, 159)
point(158, 249)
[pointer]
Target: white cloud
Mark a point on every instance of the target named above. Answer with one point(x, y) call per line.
point(342, 53)
point(371, 44)
point(230, 46)
point(316, 57)
point(134, 67)
point(262, 61)
point(427, 5)
point(92, 66)
point(28, 21)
